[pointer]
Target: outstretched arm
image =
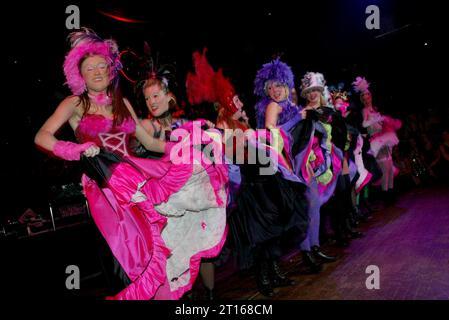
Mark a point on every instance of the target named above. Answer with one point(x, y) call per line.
point(45, 137)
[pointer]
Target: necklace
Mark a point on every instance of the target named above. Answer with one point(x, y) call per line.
point(101, 99)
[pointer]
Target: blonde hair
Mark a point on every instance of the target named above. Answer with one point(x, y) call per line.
point(269, 82)
point(323, 102)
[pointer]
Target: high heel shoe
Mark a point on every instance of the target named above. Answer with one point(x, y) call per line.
point(321, 255)
point(313, 265)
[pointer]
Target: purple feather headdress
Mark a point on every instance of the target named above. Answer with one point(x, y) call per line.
point(83, 43)
point(275, 70)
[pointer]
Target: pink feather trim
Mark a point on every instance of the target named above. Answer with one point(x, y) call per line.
point(72, 73)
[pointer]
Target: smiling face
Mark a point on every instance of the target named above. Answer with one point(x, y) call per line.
point(95, 72)
point(313, 96)
point(157, 99)
point(277, 91)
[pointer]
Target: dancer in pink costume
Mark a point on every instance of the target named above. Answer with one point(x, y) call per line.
point(124, 192)
point(382, 131)
point(184, 230)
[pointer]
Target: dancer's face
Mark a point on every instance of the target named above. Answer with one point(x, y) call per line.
point(156, 99)
point(95, 72)
point(240, 113)
point(341, 105)
point(366, 99)
point(313, 96)
point(277, 91)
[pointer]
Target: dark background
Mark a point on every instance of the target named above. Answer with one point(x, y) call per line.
point(326, 36)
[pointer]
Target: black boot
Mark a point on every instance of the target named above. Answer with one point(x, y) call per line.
point(278, 277)
point(263, 280)
point(321, 255)
point(310, 261)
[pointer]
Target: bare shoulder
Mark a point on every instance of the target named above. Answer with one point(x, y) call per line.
point(76, 109)
point(70, 107)
point(274, 107)
point(70, 102)
point(68, 110)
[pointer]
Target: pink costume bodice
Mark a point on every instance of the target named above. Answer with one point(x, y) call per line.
point(100, 130)
point(376, 125)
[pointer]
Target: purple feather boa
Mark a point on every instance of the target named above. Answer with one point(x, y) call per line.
point(289, 110)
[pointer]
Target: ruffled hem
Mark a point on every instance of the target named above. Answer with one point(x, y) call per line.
point(377, 142)
point(146, 285)
point(363, 181)
point(195, 263)
point(218, 176)
point(134, 237)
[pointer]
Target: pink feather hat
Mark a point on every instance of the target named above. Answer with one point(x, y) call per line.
point(86, 43)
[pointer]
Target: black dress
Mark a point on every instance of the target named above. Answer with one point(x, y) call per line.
point(266, 207)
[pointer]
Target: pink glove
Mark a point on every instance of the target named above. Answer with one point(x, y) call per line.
point(69, 150)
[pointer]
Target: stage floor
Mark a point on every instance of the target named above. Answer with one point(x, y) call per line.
point(407, 241)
